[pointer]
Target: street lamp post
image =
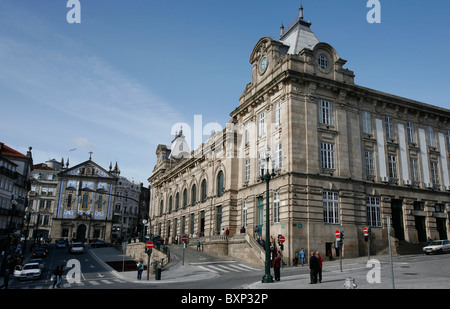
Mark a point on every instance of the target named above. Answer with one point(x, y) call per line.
point(266, 176)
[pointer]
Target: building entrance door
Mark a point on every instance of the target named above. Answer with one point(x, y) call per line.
point(397, 218)
point(81, 232)
point(420, 227)
point(260, 214)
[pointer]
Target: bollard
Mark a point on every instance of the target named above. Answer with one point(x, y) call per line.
point(158, 273)
point(350, 283)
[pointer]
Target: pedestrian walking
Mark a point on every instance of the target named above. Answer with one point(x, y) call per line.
point(256, 231)
point(55, 274)
point(59, 275)
point(320, 259)
point(302, 256)
point(277, 266)
point(6, 279)
point(296, 256)
point(140, 269)
point(313, 268)
point(198, 245)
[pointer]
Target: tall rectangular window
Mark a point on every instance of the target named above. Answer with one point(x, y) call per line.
point(430, 137)
point(392, 165)
point(276, 207)
point(369, 163)
point(327, 156)
point(262, 124)
point(373, 211)
point(331, 207)
point(447, 137)
point(244, 213)
point(247, 170)
point(325, 112)
point(277, 113)
point(246, 133)
point(366, 123)
point(414, 169)
point(389, 124)
point(279, 156)
point(434, 169)
point(410, 132)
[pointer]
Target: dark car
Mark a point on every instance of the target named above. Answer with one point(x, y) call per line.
point(39, 252)
point(100, 243)
point(46, 247)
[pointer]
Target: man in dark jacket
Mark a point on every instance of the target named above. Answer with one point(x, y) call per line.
point(313, 267)
point(277, 266)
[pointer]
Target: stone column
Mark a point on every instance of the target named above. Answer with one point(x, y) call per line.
point(409, 221)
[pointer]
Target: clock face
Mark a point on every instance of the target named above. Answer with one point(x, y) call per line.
point(263, 65)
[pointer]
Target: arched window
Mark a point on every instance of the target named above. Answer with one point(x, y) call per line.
point(203, 192)
point(220, 187)
point(177, 201)
point(193, 195)
point(161, 208)
point(170, 204)
point(184, 198)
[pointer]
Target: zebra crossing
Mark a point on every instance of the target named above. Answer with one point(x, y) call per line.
point(82, 284)
point(222, 268)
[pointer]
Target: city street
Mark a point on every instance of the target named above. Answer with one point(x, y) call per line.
point(201, 271)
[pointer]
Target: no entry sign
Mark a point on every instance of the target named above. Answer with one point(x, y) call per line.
point(338, 234)
point(366, 231)
point(282, 239)
point(184, 238)
point(149, 244)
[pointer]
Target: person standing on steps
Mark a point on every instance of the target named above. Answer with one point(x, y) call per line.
point(277, 266)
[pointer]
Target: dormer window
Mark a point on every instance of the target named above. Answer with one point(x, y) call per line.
point(323, 62)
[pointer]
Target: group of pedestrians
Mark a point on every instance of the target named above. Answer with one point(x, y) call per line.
point(315, 267)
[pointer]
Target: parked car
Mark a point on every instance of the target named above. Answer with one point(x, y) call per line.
point(100, 243)
point(437, 246)
point(76, 247)
point(60, 243)
point(28, 271)
point(39, 261)
point(39, 252)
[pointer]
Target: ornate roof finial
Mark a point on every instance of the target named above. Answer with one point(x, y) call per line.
point(301, 11)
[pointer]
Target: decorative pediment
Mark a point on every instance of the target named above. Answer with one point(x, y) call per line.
point(87, 169)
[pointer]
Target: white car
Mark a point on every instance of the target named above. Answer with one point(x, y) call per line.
point(77, 247)
point(437, 246)
point(28, 271)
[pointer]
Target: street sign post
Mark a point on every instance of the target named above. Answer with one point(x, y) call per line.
point(184, 239)
point(149, 246)
point(367, 238)
point(339, 238)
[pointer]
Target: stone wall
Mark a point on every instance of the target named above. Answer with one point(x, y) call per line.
point(137, 252)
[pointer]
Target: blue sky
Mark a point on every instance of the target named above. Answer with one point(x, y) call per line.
point(117, 83)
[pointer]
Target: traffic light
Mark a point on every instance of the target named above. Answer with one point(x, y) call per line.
point(342, 235)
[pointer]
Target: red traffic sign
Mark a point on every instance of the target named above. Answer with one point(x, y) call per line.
point(184, 238)
point(366, 231)
point(338, 234)
point(149, 244)
point(282, 239)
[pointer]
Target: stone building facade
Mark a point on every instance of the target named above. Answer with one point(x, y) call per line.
point(345, 157)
